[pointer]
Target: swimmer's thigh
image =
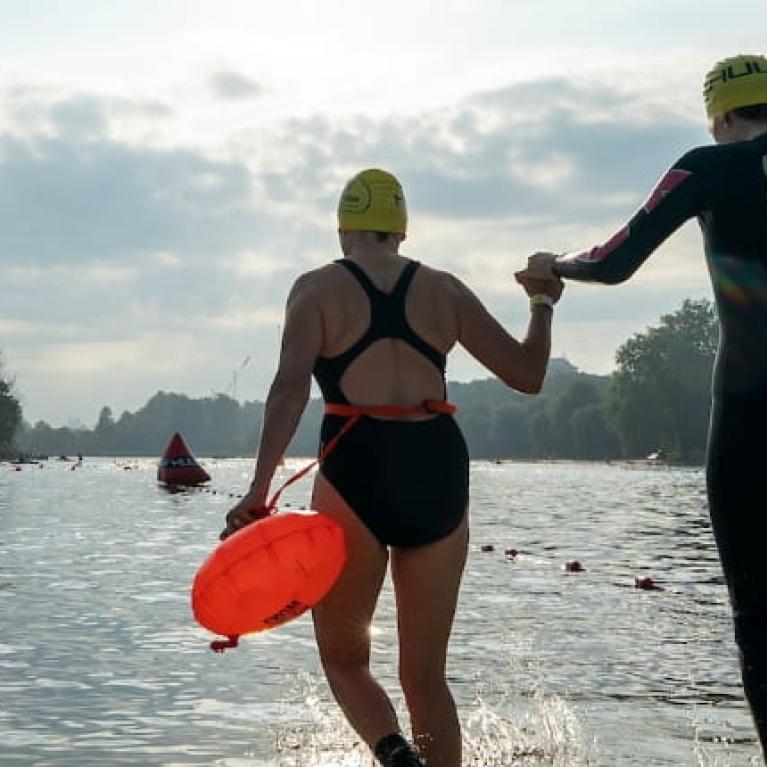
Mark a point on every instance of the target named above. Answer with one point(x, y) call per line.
point(342, 619)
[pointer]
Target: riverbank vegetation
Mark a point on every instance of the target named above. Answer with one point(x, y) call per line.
point(10, 416)
point(655, 403)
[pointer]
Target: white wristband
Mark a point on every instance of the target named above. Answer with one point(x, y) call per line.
point(541, 299)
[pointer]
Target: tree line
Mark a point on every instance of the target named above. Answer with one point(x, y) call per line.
point(656, 402)
point(10, 416)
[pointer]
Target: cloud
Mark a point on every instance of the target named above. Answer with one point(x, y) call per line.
point(30, 112)
point(176, 260)
point(233, 86)
point(551, 151)
point(65, 199)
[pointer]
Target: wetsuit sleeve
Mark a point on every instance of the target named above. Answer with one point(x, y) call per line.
point(676, 198)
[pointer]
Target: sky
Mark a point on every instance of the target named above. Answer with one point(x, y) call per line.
point(168, 169)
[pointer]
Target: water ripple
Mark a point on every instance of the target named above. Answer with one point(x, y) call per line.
point(100, 662)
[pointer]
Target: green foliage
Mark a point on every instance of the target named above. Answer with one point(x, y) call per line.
point(497, 423)
point(217, 426)
point(500, 423)
point(10, 417)
point(659, 399)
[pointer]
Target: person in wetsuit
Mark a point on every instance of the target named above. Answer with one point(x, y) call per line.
point(725, 186)
point(375, 329)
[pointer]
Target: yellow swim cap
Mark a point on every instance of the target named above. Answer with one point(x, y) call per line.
point(737, 82)
point(372, 201)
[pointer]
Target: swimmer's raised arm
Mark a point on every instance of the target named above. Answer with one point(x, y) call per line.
point(519, 364)
point(676, 198)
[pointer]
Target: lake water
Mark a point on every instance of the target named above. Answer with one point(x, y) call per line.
point(101, 663)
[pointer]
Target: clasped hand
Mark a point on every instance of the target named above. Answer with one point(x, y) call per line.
point(538, 277)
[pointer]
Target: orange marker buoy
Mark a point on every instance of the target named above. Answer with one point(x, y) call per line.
point(268, 573)
point(178, 465)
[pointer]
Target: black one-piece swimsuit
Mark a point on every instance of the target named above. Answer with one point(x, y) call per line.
point(407, 481)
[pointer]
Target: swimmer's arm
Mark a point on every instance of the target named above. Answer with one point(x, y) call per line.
point(289, 392)
point(676, 198)
point(520, 365)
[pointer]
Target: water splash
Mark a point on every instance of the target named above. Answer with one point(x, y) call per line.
point(326, 740)
point(547, 733)
point(706, 758)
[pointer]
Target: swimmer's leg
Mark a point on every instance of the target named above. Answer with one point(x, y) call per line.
point(735, 468)
point(426, 582)
point(342, 623)
point(742, 555)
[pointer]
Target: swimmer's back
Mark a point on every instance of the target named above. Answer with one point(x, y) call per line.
point(389, 371)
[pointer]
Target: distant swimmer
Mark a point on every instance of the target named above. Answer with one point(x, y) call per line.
point(725, 187)
point(375, 329)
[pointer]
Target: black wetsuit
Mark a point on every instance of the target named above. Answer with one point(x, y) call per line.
point(408, 481)
point(726, 188)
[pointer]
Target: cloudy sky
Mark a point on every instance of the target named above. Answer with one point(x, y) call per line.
point(167, 169)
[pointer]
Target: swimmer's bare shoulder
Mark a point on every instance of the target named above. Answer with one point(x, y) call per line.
point(455, 298)
point(315, 282)
point(480, 333)
point(435, 298)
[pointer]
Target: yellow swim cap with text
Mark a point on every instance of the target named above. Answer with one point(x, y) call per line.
point(373, 201)
point(740, 81)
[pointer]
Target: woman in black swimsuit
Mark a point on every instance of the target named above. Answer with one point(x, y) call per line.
point(374, 328)
point(725, 187)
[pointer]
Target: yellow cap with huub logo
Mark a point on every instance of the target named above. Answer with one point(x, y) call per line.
point(740, 81)
point(372, 201)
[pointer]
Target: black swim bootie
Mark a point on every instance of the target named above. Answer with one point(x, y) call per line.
point(394, 751)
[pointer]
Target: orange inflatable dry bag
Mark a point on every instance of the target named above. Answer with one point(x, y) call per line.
point(269, 572)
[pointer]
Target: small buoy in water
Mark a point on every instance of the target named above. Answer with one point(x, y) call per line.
point(17, 468)
point(488, 547)
point(511, 553)
point(646, 583)
point(574, 567)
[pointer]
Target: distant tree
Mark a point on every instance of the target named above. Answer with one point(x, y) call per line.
point(660, 394)
point(510, 431)
point(566, 420)
point(579, 392)
point(476, 424)
point(593, 437)
point(41, 439)
point(104, 433)
point(542, 436)
point(10, 416)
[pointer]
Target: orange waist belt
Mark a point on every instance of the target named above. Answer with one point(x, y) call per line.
point(426, 407)
point(353, 413)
